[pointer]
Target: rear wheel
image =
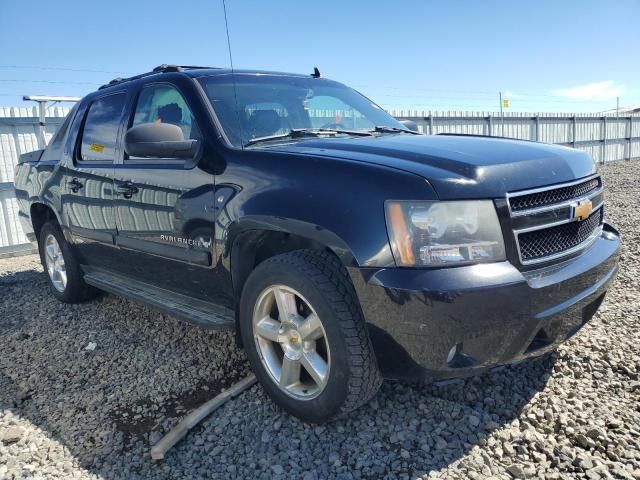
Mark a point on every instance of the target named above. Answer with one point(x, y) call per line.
point(62, 267)
point(54, 263)
point(305, 336)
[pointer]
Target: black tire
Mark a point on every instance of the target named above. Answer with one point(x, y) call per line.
point(76, 289)
point(323, 281)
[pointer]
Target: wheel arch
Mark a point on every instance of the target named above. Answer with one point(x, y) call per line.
point(40, 213)
point(255, 240)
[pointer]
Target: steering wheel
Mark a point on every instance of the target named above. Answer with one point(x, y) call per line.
point(334, 126)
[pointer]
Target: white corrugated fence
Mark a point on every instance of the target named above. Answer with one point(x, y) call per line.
point(18, 135)
point(606, 138)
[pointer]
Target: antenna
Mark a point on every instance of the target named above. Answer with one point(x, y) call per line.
point(226, 24)
point(233, 76)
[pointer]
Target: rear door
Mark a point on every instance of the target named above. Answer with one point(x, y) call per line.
point(87, 185)
point(163, 205)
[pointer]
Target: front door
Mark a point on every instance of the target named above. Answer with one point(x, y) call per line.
point(87, 178)
point(165, 227)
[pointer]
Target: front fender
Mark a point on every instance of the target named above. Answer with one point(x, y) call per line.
point(311, 232)
point(335, 202)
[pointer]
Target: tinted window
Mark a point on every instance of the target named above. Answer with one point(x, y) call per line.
point(100, 132)
point(331, 112)
point(250, 106)
point(256, 113)
point(164, 104)
point(56, 145)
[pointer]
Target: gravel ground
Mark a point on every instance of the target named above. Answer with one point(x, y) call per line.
point(70, 411)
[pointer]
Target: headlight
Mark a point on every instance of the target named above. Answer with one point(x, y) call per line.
point(425, 234)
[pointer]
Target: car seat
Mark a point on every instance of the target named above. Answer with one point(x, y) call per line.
point(263, 123)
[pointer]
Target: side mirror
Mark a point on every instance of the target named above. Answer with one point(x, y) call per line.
point(410, 124)
point(158, 140)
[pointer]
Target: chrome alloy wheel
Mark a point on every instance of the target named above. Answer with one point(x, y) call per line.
point(55, 263)
point(291, 342)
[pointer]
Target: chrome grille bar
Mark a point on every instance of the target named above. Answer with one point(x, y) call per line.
point(530, 225)
point(591, 192)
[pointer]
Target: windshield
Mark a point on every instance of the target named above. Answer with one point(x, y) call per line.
point(260, 105)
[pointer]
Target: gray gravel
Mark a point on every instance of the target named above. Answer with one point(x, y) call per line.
point(68, 411)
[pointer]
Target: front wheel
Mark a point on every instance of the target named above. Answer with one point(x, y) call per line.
point(305, 337)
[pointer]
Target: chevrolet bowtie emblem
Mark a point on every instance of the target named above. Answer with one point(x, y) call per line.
point(582, 210)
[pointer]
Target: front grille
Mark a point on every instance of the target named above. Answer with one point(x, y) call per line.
point(553, 240)
point(553, 195)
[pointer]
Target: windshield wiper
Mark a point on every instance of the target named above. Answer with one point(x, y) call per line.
point(359, 133)
point(388, 129)
point(293, 133)
point(307, 132)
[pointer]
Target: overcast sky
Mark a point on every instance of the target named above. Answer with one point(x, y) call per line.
point(553, 56)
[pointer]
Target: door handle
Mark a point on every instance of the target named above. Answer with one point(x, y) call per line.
point(74, 185)
point(126, 189)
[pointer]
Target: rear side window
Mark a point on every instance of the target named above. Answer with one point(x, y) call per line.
point(56, 145)
point(100, 132)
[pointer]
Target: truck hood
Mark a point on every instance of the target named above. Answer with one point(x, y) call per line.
point(459, 166)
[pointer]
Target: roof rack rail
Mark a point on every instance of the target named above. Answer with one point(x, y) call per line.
point(178, 68)
point(164, 68)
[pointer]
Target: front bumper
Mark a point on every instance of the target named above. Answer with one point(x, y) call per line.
point(453, 322)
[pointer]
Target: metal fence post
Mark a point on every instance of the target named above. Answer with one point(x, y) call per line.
point(630, 135)
point(537, 120)
point(42, 141)
point(430, 123)
point(490, 125)
point(501, 117)
point(6, 221)
point(574, 132)
point(604, 140)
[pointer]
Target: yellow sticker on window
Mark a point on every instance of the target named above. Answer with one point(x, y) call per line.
point(97, 147)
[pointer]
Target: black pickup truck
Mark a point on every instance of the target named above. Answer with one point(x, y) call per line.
point(340, 244)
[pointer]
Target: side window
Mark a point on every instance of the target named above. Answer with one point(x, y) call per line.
point(100, 132)
point(165, 104)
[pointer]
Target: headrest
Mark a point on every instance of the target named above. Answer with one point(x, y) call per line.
point(262, 123)
point(170, 113)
